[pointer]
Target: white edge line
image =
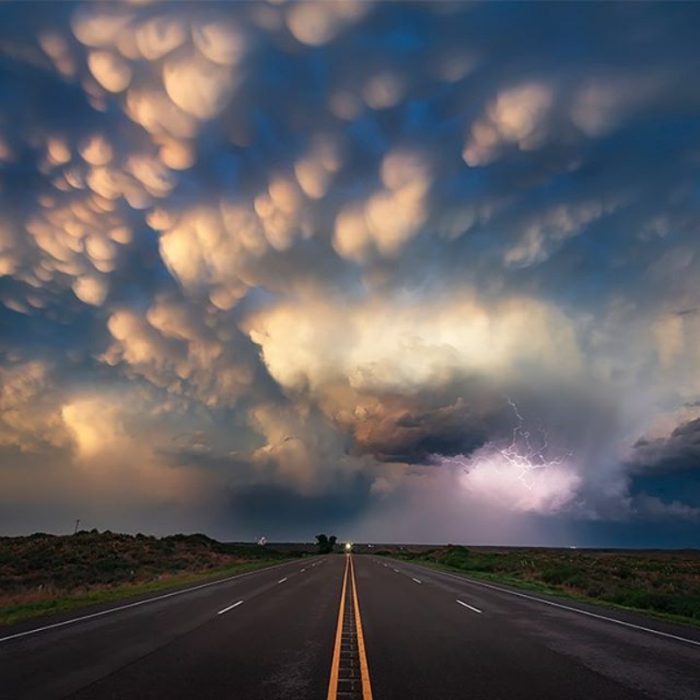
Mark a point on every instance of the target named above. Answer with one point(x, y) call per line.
point(230, 607)
point(471, 607)
point(73, 620)
point(668, 635)
point(417, 580)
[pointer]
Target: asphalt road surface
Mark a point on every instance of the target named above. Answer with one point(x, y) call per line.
point(343, 627)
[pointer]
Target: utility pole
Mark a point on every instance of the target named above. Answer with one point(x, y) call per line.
point(77, 522)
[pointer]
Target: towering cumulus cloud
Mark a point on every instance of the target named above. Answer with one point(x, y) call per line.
point(413, 271)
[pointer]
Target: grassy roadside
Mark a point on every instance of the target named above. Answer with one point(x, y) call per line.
point(10, 614)
point(44, 574)
point(670, 591)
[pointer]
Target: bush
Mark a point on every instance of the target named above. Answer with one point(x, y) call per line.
point(558, 575)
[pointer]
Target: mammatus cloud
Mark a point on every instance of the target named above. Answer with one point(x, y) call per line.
point(516, 116)
point(176, 350)
point(28, 419)
point(389, 218)
point(304, 257)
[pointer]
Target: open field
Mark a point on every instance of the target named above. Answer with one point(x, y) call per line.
point(42, 574)
point(665, 583)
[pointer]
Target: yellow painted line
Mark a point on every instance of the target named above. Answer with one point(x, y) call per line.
point(335, 664)
point(364, 668)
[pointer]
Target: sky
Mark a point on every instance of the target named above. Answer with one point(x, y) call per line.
point(409, 272)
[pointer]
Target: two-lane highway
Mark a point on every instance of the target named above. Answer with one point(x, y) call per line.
point(340, 627)
point(431, 634)
point(266, 635)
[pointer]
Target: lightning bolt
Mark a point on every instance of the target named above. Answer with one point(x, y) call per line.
point(526, 453)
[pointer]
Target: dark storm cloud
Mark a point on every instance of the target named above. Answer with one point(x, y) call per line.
point(460, 418)
point(678, 452)
point(412, 429)
point(277, 511)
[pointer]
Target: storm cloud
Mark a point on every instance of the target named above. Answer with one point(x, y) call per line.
point(269, 265)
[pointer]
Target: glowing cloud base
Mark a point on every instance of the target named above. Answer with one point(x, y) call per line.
point(520, 476)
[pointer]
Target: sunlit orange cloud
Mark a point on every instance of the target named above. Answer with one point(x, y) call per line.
point(393, 344)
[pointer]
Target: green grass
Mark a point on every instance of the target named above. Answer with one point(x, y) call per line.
point(50, 606)
point(45, 574)
point(663, 584)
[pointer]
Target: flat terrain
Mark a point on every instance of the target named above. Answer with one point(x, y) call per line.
point(428, 634)
point(42, 573)
point(663, 582)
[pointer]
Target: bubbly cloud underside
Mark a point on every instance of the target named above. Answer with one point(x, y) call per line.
point(268, 267)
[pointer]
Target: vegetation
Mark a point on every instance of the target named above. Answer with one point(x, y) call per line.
point(325, 544)
point(46, 573)
point(664, 583)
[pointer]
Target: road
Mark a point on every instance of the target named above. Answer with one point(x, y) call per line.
point(339, 627)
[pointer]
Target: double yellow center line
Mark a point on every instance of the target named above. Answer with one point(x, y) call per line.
point(349, 639)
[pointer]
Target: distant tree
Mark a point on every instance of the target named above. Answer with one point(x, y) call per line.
point(325, 544)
